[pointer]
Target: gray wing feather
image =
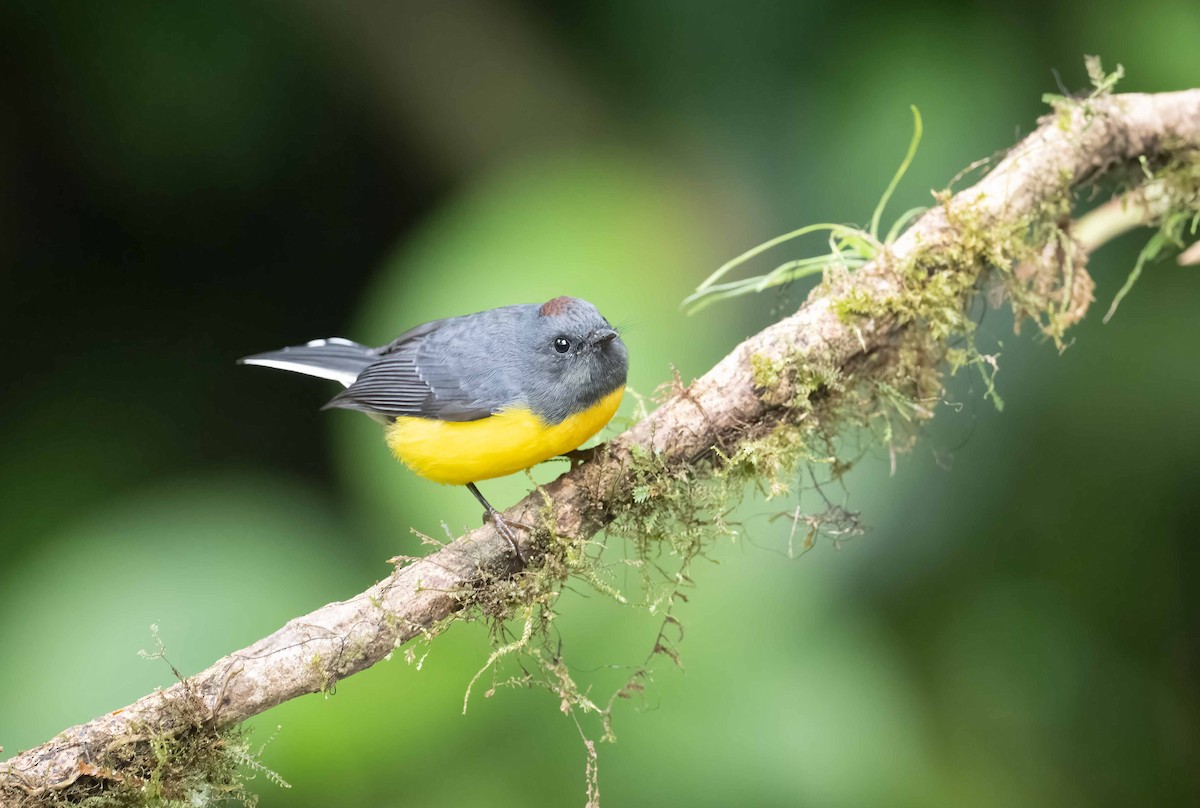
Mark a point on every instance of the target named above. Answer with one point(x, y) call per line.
point(444, 370)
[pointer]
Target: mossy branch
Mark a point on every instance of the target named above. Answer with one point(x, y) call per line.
point(855, 332)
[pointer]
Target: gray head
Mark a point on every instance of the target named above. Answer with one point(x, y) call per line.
point(578, 358)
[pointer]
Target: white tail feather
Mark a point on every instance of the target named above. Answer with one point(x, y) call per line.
point(343, 377)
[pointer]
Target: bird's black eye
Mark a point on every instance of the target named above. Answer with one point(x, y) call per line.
point(562, 344)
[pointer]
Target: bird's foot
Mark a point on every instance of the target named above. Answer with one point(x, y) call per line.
point(578, 457)
point(503, 527)
point(506, 531)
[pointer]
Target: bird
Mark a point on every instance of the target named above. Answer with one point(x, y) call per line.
point(478, 396)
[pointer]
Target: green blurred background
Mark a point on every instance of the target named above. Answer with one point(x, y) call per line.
point(184, 184)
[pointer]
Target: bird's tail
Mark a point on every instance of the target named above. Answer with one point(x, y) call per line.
point(335, 358)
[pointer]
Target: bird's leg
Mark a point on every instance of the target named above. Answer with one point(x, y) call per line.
point(502, 527)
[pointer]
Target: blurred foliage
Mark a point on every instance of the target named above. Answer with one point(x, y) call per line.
point(185, 185)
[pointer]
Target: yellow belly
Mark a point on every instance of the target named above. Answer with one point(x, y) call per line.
point(461, 452)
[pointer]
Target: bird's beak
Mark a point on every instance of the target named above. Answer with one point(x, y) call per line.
point(603, 335)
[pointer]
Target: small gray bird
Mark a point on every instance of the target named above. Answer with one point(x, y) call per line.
point(479, 396)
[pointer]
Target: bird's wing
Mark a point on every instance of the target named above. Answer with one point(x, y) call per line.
point(420, 374)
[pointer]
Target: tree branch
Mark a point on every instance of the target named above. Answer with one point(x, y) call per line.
point(722, 410)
